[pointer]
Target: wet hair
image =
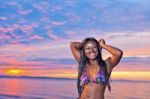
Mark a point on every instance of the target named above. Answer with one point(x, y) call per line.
point(84, 60)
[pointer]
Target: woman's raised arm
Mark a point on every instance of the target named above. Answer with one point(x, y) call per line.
point(116, 53)
point(75, 50)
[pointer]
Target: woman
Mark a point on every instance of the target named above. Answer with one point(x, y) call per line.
point(93, 71)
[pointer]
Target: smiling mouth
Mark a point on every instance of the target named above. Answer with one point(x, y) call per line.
point(92, 54)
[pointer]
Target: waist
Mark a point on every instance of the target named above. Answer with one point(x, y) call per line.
point(93, 91)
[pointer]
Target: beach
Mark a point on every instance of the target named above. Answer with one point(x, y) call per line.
point(38, 88)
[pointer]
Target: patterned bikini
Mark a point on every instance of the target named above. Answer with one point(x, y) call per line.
point(99, 79)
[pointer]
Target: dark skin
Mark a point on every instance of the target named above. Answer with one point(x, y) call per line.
point(92, 90)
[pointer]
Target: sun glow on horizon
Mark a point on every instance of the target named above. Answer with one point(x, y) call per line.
point(131, 75)
point(14, 72)
point(116, 75)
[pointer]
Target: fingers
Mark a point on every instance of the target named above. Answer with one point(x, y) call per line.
point(102, 41)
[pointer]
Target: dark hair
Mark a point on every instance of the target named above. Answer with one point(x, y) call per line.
point(84, 60)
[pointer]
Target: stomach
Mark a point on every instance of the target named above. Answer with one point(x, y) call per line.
point(93, 91)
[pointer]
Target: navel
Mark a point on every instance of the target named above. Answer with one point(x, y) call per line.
point(88, 96)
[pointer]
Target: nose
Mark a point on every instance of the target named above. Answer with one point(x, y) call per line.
point(91, 49)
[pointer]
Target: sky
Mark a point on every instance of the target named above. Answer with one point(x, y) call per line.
point(35, 35)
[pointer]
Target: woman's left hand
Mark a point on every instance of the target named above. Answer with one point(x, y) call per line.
point(102, 42)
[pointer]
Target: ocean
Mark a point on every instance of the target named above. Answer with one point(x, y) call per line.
point(37, 88)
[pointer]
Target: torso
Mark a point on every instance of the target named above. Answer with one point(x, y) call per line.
point(93, 90)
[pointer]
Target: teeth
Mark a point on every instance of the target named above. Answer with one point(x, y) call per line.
point(92, 54)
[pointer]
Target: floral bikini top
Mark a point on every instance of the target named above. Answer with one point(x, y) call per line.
point(99, 79)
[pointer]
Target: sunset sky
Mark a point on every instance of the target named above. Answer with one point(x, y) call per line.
point(35, 35)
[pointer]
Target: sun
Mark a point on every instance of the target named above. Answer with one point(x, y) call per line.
point(14, 72)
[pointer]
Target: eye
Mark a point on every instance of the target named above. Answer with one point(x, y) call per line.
point(87, 48)
point(94, 47)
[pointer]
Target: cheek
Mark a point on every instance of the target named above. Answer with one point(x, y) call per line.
point(96, 52)
point(86, 53)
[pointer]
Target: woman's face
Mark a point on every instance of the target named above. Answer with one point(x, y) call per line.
point(91, 50)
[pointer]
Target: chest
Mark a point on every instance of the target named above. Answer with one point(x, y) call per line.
point(93, 72)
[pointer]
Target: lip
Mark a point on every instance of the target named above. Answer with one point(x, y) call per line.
point(92, 54)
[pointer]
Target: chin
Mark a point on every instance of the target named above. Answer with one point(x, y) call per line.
point(92, 58)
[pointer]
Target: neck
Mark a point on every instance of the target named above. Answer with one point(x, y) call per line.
point(93, 62)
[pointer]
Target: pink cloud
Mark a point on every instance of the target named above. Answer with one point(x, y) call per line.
point(54, 37)
point(15, 41)
point(45, 18)
point(5, 30)
point(13, 3)
point(24, 12)
point(22, 20)
point(19, 58)
point(13, 61)
point(15, 35)
point(19, 48)
point(73, 17)
point(11, 30)
point(3, 18)
point(16, 26)
point(71, 34)
point(36, 37)
point(56, 8)
point(70, 3)
point(57, 23)
point(3, 36)
point(26, 28)
point(41, 6)
point(138, 51)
